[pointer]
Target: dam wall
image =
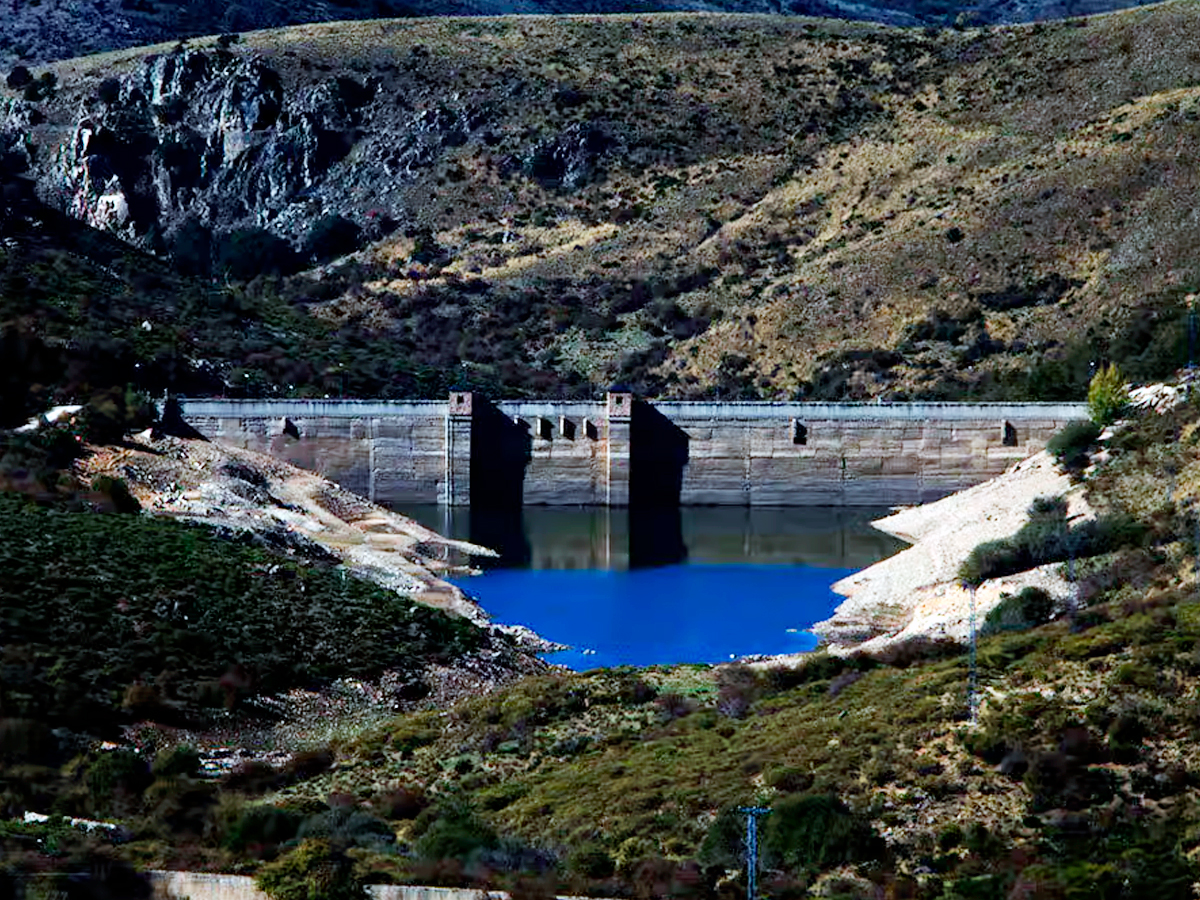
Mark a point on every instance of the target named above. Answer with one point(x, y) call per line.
point(209, 886)
point(622, 451)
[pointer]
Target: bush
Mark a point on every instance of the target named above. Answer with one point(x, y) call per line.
point(724, 842)
point(1071, 445)
point(591, 861)
point(115, 777)
point(401, 801)
point(19, 78)
point(1047, 538)
point(738, 687)
point(348, 826)
point(817, 832)
point(182, 760)
point(329, 237)
point(452, 831)
point(42, 89)
point(261, 828)
point(1107, 395)
point(307, 764)
point(312, 871)
point(1028, 609)
point(109, 90)
point(248, 252)
point(112, 412)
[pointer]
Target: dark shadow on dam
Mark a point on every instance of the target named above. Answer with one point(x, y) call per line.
point(500, 453)
point(658, 455)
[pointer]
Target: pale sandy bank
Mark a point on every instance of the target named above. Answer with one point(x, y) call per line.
point(916, 592)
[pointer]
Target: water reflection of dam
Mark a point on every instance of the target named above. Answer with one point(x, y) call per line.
point(606, 538)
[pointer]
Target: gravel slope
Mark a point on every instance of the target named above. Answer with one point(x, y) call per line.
point(916, 592)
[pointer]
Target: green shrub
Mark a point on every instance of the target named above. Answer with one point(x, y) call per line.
point(1070, 446)
point(113, 412)
point(117, 770)
point(346, 826)
point(1028, 609)
point(42, 89)
point(261, 827)
point(817, 832)
point(591, 861)
point(1047, 538)
point(314, 870)
point(183, 759)
point(724, 842)
point(1107, 396)
point(452, 830)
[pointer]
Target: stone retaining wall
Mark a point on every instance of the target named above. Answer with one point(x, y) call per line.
point(207, 886)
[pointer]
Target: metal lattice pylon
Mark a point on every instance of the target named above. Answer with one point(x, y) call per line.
point(752, 814)
point(973, 667)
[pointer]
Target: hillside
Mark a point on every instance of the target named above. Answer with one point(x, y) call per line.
point(1079, 780)
point(38, 31)
point(695, 205)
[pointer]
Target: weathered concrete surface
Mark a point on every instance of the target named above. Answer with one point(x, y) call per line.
point(207, 886)
point(620, 452)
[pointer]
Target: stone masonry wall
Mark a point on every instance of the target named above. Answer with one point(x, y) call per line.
point(581, 453)
point(208, 886)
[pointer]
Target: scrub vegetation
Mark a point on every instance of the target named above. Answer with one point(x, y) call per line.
point(1078, 780)
point(695, 206)
point(761, 208)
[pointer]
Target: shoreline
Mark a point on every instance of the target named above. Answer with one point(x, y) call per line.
point(916, 592)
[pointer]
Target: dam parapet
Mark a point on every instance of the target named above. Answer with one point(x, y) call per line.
point(623, 451)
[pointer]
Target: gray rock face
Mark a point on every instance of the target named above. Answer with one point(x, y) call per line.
point(205, 138)
point(17, 120)
point(215, 158)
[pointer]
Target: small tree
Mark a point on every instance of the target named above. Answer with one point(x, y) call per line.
point(1107, 395)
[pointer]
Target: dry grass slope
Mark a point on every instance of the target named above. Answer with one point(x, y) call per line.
point(995, 208)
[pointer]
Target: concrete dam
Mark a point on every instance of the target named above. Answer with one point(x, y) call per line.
point(626, 452)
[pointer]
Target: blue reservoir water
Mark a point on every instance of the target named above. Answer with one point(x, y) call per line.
point(692, 585)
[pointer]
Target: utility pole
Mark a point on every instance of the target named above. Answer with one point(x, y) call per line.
point(1195, 516)
point(1191, 304)
point(1073, 601)
point(752, 814)
point(972, 668)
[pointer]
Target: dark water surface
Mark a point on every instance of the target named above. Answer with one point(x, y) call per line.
point(697, 584)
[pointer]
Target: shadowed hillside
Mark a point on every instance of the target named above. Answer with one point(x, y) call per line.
point(36, 31)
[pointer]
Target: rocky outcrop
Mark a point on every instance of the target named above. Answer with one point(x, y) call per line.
point(202, 138)
point(215, 158)
point(18, 118)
